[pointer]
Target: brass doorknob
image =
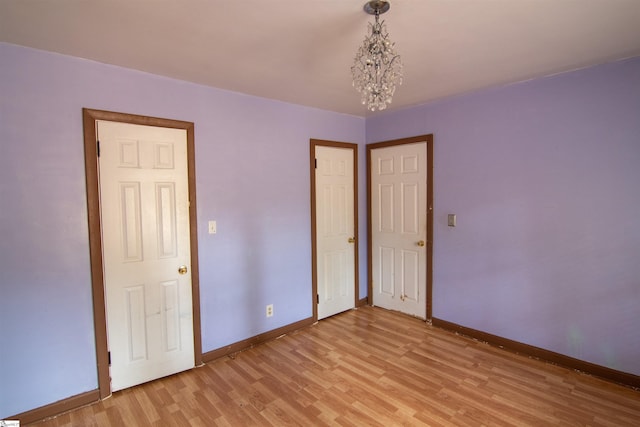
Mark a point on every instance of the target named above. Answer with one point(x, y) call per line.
point(352, 239)
point(182, 269)
point(421, 243)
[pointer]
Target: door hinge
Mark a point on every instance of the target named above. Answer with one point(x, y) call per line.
point(109, 357)
point(317, 298)
point(315, 163)
point(98, 147)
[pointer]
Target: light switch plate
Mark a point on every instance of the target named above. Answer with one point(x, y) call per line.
point(451, 220)
point(213, 228)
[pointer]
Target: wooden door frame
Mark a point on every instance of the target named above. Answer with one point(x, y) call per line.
point(89, 119)
point(313, 143)
point(429, 252)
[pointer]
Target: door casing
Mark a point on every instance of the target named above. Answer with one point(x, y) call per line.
point(429, 243)
point(90, 117)
point(314, 252)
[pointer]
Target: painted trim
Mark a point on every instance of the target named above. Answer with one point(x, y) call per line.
point(403, 141)
point(57, 408)
point(89, 118)
point(313, 143)
point(549, 356)
point(210, 356)
point(95, 251)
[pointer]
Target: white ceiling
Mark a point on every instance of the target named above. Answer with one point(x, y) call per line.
point(301, 51)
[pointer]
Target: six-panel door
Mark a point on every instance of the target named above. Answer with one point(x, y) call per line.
point(399, 227)
point(145, 233)
point(335, 230)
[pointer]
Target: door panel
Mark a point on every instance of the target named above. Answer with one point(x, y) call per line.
point(136, 323)
point(144, 207)
point(410, 285)
point(335, 230)
point(399, 227)
point(131, 221)
point(166, 219)
point(387, 271)
point(410, 205)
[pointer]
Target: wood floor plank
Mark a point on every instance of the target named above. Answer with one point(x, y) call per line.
point(368, 367)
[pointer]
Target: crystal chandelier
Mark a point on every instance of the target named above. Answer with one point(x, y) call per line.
point(377, 68)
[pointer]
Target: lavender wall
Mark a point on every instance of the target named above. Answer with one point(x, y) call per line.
point(544, 177)
point(252, 177)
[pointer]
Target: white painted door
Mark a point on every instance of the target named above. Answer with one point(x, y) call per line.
point(335, 234)
point(145, 234)
point(399, 227)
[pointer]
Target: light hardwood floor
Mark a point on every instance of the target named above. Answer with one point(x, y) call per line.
point(368, 367)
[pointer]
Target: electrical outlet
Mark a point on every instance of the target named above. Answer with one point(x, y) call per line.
point(270, 310)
